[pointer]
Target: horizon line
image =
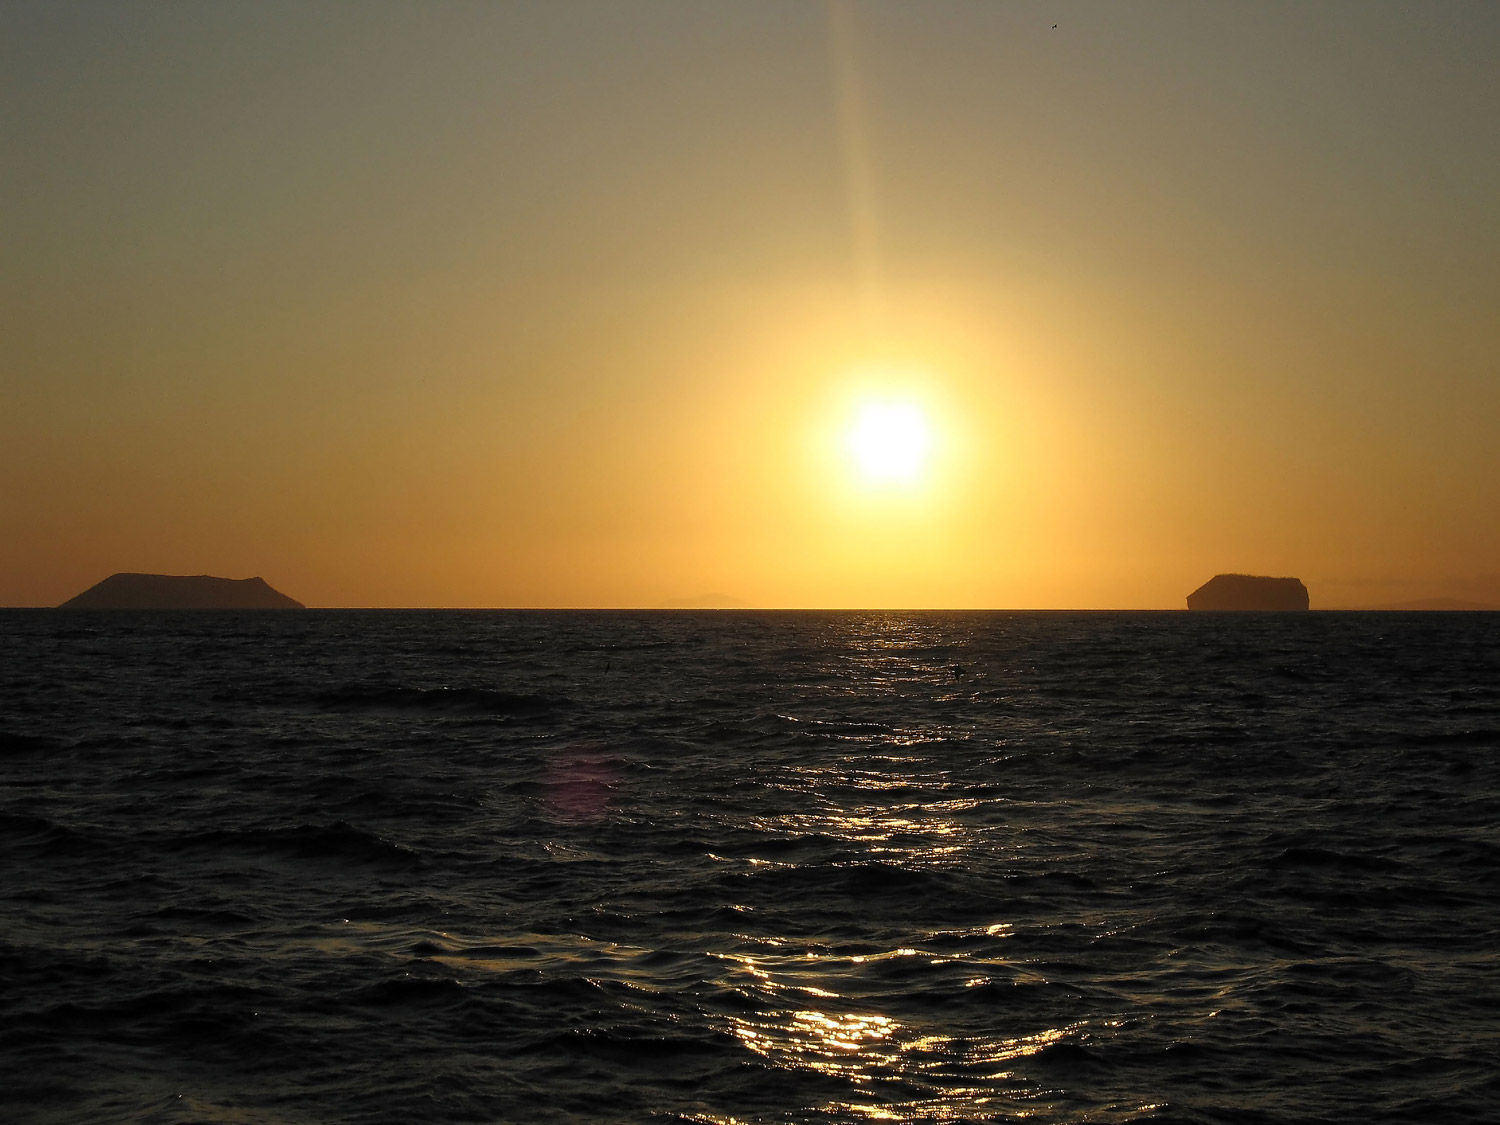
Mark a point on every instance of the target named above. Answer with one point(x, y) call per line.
point(1397, 608)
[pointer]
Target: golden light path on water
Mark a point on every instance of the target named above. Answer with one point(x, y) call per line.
point(818, 1010)
point(815, 1032)
point(847, 1014)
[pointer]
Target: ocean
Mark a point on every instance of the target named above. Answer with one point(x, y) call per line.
point(381, 866)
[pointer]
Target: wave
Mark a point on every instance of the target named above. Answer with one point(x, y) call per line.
point(440, 701)
point(340, 841)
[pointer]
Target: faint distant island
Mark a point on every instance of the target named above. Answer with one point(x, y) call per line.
point(1434, 604)
point(707, 601)
point(1249, 591)
point(176, 591)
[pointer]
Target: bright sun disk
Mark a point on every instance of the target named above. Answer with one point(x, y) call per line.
point(890, 441)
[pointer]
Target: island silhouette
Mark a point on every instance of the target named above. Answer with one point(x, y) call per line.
point(1249, 591)
point(180, 591)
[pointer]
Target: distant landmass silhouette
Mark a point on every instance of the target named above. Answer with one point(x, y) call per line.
point(707, 601)
point(1249, 591)
point(1434, 604)
point(174, 591)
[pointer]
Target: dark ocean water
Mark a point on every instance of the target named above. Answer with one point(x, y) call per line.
point(749, 867)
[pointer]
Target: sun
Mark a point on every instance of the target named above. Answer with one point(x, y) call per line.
point(890, 441)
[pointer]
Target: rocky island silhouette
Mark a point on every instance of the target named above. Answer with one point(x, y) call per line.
point(1249, 591)
point(180, 591)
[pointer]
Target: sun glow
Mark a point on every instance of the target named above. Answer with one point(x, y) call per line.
point(890, 442)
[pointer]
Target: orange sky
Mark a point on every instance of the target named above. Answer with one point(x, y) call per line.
point(573, 305)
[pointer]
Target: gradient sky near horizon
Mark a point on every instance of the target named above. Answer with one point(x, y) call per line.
point(572, 304)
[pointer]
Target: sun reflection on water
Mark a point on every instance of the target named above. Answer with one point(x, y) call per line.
point(844, 1033)
point(847, 1044)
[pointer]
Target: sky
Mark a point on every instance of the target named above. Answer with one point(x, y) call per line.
point(585, 304)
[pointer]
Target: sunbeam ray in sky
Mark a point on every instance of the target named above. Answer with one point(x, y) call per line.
point(853, 107)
